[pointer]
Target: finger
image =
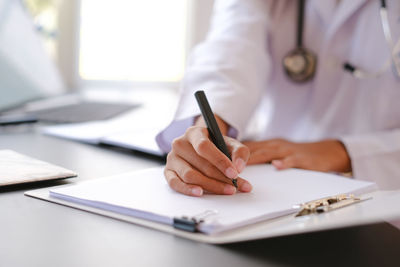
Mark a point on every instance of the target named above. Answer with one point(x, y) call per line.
point(243, 185)
point(203, 146)
point(189, 175)
point(209, 170)
point(264, 155)
point(179, 186)
point(186, 151)
point(252, 144)
point(255, 145)
point(266, 151)
point(278, 164)
point(240, 153)
point(285, 163)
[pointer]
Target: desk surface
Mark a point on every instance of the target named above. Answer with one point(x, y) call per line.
point(38, 233)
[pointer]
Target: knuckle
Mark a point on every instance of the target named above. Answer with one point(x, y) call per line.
point(204, 131)
point(243, 150)
point(202, 146)
point(173, 182)
point(209, 170)
point(191, 129)
point(177, 143)
point(189, 175)
point(177, 185)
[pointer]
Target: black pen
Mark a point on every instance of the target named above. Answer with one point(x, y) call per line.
point(212, 126)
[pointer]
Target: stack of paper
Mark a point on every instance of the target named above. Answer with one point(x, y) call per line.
point(146, 195)
point(16, 169)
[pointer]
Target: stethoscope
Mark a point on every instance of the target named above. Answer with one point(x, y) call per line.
point(300, 63)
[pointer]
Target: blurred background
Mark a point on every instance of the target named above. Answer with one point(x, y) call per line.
point(120, 43)
point(107, 69)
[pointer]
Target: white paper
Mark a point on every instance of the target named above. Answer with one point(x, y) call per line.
point(16, 168)
point(145, 194)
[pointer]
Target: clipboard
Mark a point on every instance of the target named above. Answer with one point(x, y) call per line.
point(122, 197)
point(384, 206)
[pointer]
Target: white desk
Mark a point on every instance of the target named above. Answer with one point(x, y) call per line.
point(38, 233)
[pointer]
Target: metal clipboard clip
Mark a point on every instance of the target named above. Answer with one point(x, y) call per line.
point(190, 224)
point(327, 204)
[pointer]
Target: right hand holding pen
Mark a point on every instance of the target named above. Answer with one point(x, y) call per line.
point(195, 165)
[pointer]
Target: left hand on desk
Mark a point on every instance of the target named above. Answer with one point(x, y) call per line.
point(326, 155)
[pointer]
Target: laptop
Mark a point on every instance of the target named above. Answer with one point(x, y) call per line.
point(28, 74)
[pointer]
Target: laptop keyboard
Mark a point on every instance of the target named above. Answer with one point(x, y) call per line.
point(82, 112)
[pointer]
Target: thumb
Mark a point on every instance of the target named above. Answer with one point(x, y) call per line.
point(285, 163)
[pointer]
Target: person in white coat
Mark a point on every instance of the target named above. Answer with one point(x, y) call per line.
point(314, 87)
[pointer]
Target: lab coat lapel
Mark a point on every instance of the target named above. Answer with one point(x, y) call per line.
point(346, 9)
point(325, 10)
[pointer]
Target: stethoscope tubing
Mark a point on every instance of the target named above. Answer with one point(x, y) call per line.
point(347, 66)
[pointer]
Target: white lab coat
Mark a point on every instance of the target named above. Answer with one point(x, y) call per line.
point(240, 68)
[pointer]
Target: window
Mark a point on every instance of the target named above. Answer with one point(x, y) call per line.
point(45, 16)
point(132, 40)
point(121, 42)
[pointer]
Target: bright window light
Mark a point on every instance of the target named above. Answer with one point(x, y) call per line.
point(132, 40)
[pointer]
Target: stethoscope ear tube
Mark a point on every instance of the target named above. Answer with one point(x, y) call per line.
point(394, 58)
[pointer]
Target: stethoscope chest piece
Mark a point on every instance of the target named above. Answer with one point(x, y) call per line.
point(300, 64)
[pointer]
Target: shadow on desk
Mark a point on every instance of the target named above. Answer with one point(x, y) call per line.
point(35, 185)
point(371, 245)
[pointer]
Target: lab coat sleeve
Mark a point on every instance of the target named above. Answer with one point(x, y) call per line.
point(376, 157)
point(231, 66)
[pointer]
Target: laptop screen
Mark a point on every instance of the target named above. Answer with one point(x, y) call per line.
point(26, 70)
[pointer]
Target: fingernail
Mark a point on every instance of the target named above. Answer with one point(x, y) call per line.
point(197, 191)
point(231, 173)
point(229, 190)
point(240, 164)
point(277, 164)
point(246, 187)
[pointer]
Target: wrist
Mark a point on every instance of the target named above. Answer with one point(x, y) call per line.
point(342, 161)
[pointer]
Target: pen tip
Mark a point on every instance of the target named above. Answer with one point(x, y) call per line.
point(234, 181)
